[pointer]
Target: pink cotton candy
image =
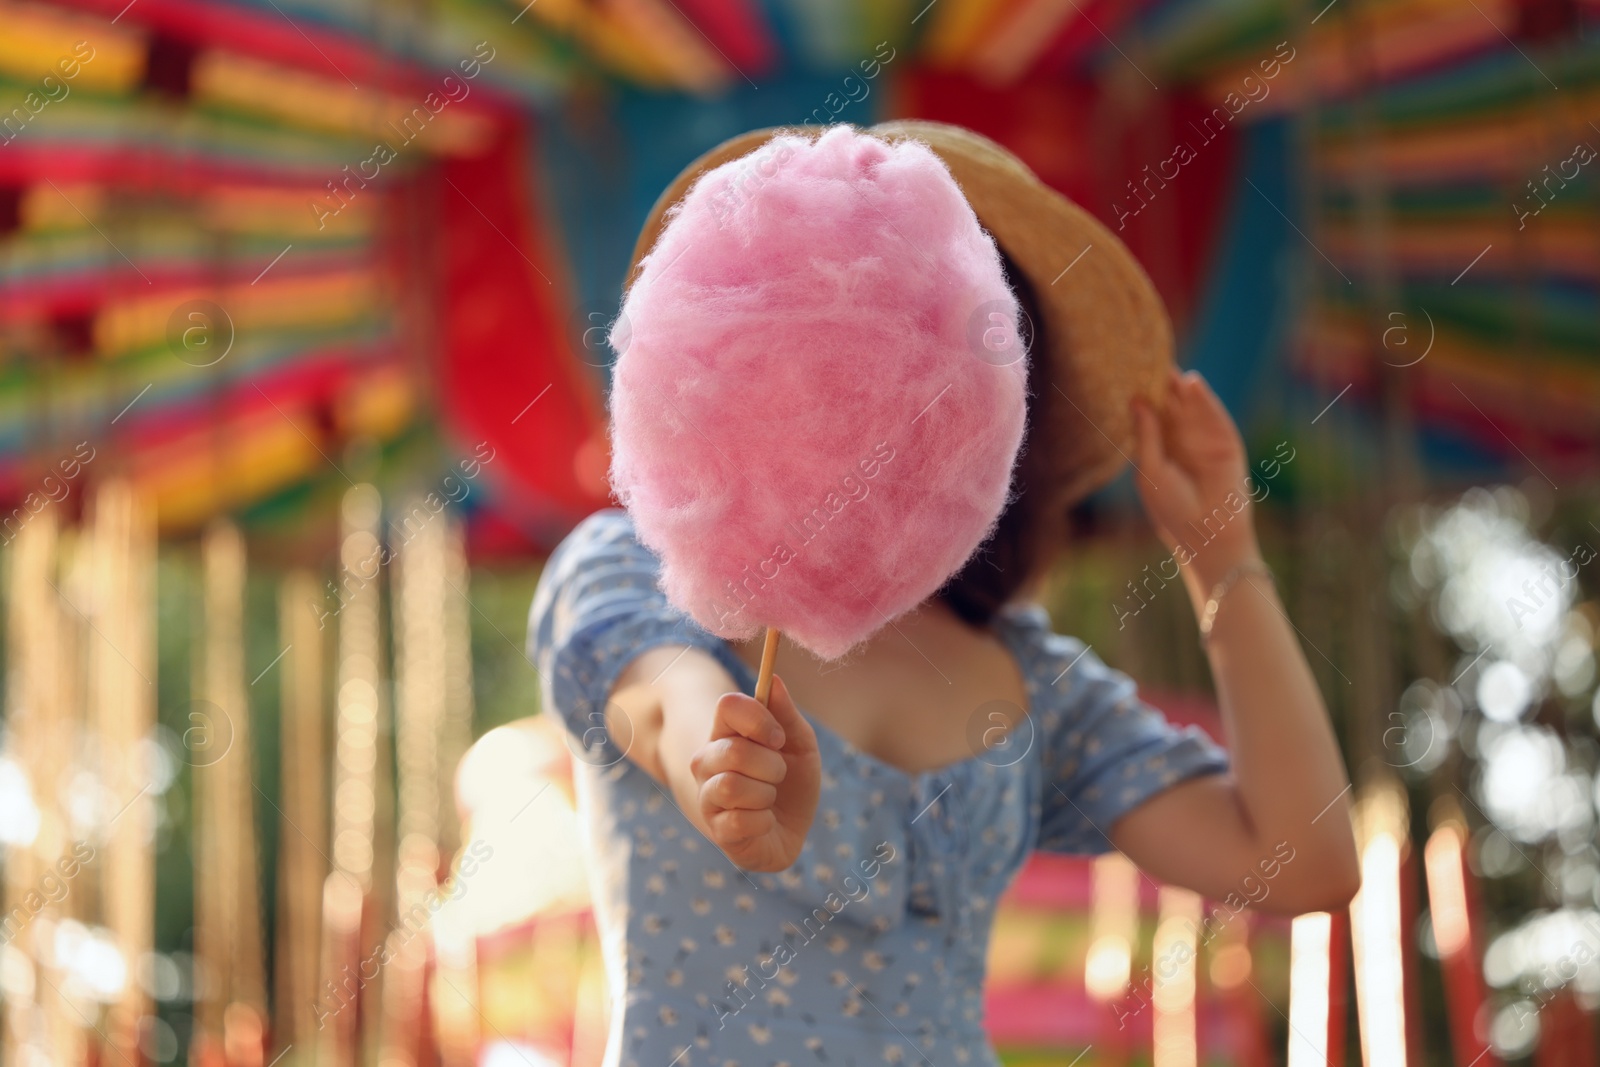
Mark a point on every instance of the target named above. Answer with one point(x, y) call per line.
point(819, 391)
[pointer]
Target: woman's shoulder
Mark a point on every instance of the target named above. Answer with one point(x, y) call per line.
point(598, 605)
point(599, 573)
point(1066, 679)
point(603, 552)
point(1040, 650)
point(608, 532)
point(1104, 749)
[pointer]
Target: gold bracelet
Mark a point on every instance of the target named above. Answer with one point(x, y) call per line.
point(1208, 616)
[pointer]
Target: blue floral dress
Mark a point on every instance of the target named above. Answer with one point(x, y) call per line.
point(871, 948)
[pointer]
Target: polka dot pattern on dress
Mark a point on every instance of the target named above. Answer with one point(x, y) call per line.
point(870, 949)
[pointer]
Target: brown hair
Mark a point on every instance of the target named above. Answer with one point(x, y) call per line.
point(1033, 525)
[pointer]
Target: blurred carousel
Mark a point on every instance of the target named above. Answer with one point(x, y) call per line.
point(286, 425)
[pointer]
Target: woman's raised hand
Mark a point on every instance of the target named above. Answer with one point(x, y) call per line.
point(759, 777)
point(1193, 481)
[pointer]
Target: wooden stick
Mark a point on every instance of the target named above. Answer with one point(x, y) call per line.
point(769, 658)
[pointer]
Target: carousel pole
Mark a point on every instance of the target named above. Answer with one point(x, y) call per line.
point(1457, 933)
point(453, 994)
point(1382, 954)
point(1174, 999)
point(1317, 977)
point(232, 991)
point(122, 690)
point(1319, 941)
point(304, 831)
point(347, 988)
point(73, 1014)
point(421, 650)
point(455, 730)
point(34, 639)
point(1113, 944)
point(1378, 927)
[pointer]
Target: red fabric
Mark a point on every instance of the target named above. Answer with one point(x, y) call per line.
point(1567, 1033)
point(1082, 31)
point(1079, 144)
point(135, 166)
point(505, 348)
point(1466, 996)
point(736, 29)
point(1338, 978)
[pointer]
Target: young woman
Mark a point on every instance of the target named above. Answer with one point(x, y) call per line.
point(778, 886)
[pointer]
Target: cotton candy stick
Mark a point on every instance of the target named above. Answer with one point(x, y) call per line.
point(769, 659)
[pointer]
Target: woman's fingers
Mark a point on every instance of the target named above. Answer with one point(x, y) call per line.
point(1159, 469)
point(729, 790)
point(1194, 425)
point(778, 725)
point(1217, 412)
point(735, 826)
point(738, 755)
point(759, 777)
point(799, 737)
point(740, 716)
point(1148, 430)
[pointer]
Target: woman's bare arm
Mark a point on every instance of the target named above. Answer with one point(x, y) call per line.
point(747, 776)
point(1288, 789)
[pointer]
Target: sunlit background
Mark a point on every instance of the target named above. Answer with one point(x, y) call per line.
point(303, 308)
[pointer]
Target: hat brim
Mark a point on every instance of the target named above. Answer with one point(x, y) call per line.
point(1108, 336)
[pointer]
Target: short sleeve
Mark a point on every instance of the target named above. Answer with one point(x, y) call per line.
point(596, 608)
point(1103, 751)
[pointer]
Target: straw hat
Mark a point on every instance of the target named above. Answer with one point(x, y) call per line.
point(1105, 327)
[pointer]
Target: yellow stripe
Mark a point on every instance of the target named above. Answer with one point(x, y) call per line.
point(35, 43)
point(191, 479)
point(314, 101)
point(272, 303)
